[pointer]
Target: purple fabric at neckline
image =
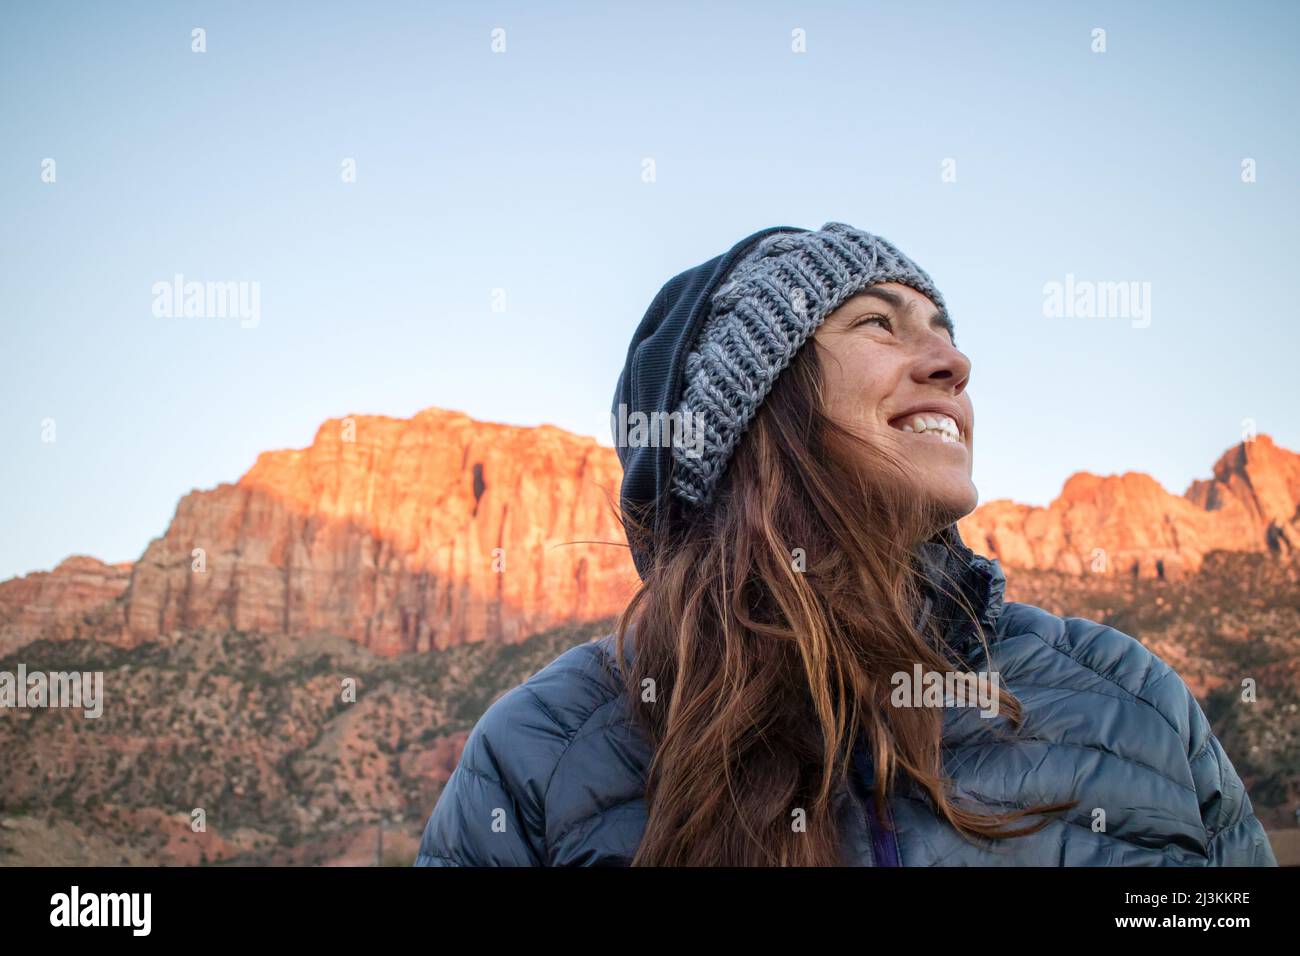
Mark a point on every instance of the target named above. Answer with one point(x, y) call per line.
point(884, 844)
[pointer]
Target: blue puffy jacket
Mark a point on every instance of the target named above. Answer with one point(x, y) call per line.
point(553, 774)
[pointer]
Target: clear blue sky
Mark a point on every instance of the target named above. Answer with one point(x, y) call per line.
point(523, 171)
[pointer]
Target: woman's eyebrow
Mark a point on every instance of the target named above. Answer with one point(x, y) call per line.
point(940, 318)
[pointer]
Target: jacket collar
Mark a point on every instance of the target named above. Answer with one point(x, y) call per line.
point(950, 565)
point(946, 560)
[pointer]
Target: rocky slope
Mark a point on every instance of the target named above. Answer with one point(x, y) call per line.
point(254, 729)
point(257, 733)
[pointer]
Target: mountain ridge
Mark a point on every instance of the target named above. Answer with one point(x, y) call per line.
point(412, 534)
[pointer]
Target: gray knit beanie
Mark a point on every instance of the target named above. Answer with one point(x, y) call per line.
point(769, 305)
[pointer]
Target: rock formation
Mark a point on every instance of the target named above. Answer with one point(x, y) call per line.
point(404, 535)
point(59, 603)
point(1128, 524)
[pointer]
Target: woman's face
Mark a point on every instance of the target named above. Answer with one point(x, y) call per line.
point(891, 369)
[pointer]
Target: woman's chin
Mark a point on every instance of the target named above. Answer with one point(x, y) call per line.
point(955, 500)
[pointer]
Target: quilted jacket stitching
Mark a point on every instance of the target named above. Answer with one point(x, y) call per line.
point(1228, 804)
point(1151, 664)
point(560, 761)
point(582, 735)
point(486, 776)
point(605, 690)
point(1127, 698)
point(1007, 667)
point(1065, 743)
point(1005, 639)
point(1146, 675)
point(462, 765)
point(938, 858)
point(990, 801)
point(438, 856)
point(1244, 819)
point(1169, 849)
point(1014, 681)
point(550, 715)
point(1167, 673)
point(599, 812)
point(599, 656)
point(1108, 678)
point(1206, 752)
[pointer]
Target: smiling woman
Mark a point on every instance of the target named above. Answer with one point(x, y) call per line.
point(798, 572)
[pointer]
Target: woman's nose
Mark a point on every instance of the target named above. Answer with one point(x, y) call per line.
point(943, 363)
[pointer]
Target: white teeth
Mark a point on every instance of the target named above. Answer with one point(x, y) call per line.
point(942, 425)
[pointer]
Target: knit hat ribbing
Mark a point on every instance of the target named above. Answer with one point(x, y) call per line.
point(761, 315)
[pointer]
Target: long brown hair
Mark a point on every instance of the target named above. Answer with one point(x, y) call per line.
point(764, 637)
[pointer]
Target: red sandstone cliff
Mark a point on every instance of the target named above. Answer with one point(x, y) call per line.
point(404, 535)
point(56, 603)
point(1126, 524)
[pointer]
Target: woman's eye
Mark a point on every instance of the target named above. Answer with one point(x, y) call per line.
point(884, 320)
